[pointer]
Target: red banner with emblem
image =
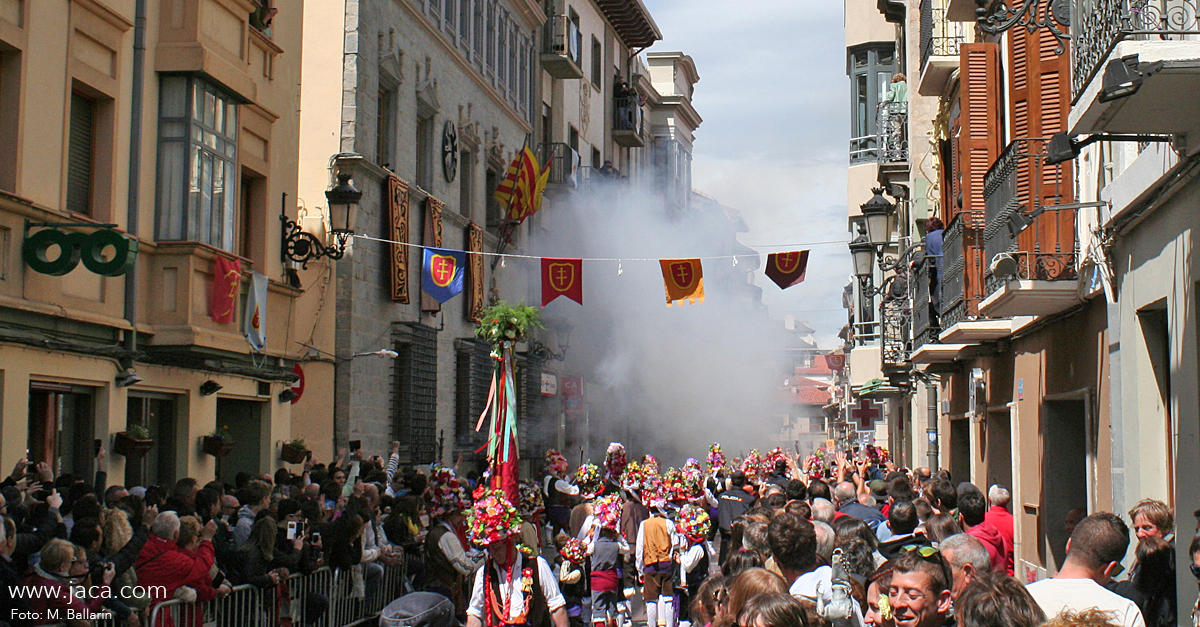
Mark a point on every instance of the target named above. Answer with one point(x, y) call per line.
point(787, 269)
point(227, 276)
point(683, 279)
point(562, 277)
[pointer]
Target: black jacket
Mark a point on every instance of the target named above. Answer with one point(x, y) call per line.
point(731, 504)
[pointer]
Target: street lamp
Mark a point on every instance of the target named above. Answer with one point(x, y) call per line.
point(863, 252)
point(879, 215)
point(303, 247)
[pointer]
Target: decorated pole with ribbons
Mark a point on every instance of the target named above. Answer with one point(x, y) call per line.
point(503, 325)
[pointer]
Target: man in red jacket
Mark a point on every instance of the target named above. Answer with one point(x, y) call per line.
point(163, 567)
point(972, 509)
point(999, 515)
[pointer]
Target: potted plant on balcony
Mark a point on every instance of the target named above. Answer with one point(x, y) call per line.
point(219, 443)
point(295, 451)
point(134, 441)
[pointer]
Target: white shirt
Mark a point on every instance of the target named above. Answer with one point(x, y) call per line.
point(560, 485)
point(1058, 595)
point(812, 584)
point(546, 576)
point(463, 562)
point(641, 541)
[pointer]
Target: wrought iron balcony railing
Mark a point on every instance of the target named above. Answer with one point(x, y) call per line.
point(895, 316)
point(925, 302)
point(939, 36)
point(1102, 24)
point(890, 143)
point(564, 164)
point(962, 248)
point(1017, 188)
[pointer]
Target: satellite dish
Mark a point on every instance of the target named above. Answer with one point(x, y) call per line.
point(1003, 265)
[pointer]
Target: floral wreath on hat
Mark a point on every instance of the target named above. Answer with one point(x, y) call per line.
point(574, 551)
point(654, 493)
point(615, 460)
point(752, 466)
point(675, 486)
point(650, 464)
point(694, 523)
point(716, 458)
point(532, 506)
point(556, 464)
point(447, 493)
point(607, 510)
point(493, 519)
point(634, 477)
point(774, 457)
point(587, 477)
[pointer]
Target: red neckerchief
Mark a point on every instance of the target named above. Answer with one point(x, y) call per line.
point(498, 615)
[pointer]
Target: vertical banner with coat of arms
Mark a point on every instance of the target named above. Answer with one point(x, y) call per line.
point(562, 277)
point(256, 312)
point(397, 231)
point(433, 237)
point(684, 280)
point(227, 277)
point(475, 283)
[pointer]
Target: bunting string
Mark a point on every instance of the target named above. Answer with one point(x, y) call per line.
point(616, 259)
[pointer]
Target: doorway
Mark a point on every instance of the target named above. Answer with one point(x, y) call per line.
point(244, 421)
point(62, 428)
point(960, 449)
point(999, 449)
point(157, 414)
point(1065, 485)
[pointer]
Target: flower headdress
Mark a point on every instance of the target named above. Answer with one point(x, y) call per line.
point(654, 494)
point(555, 462)
point(716, 458)
point(607, 510)
point(752, 465)
point(633, 477)
point(494, 519)
point(675, 486)
point(774, 457)
point(694, 523)
point(614, 460)
point(448, 495)
point(650, 464)
point(574, 551)
point(587, 477)
point(531, 506)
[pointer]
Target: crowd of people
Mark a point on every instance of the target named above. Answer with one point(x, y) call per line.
point(766, 541)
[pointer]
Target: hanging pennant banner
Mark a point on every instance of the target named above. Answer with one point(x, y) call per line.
point(562, 277)
point(787, 269)
point(256, 312)
point(442, 273)
point(683, 279)
point(227, 276)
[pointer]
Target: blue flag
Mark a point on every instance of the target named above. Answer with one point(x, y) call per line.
point(442, 273)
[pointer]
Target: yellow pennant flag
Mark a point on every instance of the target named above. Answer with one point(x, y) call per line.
point(683, 279)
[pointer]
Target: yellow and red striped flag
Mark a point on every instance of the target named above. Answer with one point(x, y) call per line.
point(520, 193)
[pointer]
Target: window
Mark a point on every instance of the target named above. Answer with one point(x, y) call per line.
point(596, 157)
point(597, 62)
point(871, 71)
point(415, 394)
point(547, 124)
point(816, 424)
point(425, 153)
point(464, 24)
point(157, 414)
point(466, 182)
point(10, 98)
point(573, 138)
point(449, 17)
point(502, 49)
point(490, 44)
point(81, 145)
point(494, 215)
point(385, 129)
point(62, 427)
point(197, 153)
point(473, 380)
point(478, 37)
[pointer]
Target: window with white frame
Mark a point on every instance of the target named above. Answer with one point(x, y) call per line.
point(197, 163)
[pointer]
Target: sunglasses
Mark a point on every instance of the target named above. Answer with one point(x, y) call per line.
point(1195, 570)
point(1119, 568)
point(931, 554)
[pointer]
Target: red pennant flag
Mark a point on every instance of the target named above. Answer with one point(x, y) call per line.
point(227, 276)
point(562, 277)
point(787, 269)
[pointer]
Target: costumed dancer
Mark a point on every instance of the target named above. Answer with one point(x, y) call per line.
point(514, 586)
point(614, 466)
point(633, 512)
point(532, 510)
point(695, 553)
point(557, 491)
point(448, 556)
point(656, 558)
point(607, 564)
point(574, 578)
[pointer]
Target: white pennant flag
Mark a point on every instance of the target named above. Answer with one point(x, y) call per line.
point(256, 312)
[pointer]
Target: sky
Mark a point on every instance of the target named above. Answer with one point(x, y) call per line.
point(774, 96)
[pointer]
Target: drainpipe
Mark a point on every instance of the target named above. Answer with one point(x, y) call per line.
point(135, 164)
point(931, 430)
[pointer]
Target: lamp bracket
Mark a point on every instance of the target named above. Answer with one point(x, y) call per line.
point(997, 16)
point(302, 247)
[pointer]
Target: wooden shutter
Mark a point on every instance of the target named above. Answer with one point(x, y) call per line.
point(979, 141)
point(79, 154)
point(1040, 82)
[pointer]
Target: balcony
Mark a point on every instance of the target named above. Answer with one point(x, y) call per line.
point(1030, 240)
point(962, 265)
point(895, 332)
point(628, 122)
point(925, 301)
point(562, 53)
point(889, 145)
point(940, 41)
point(1155, 30)
point(566, 169)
